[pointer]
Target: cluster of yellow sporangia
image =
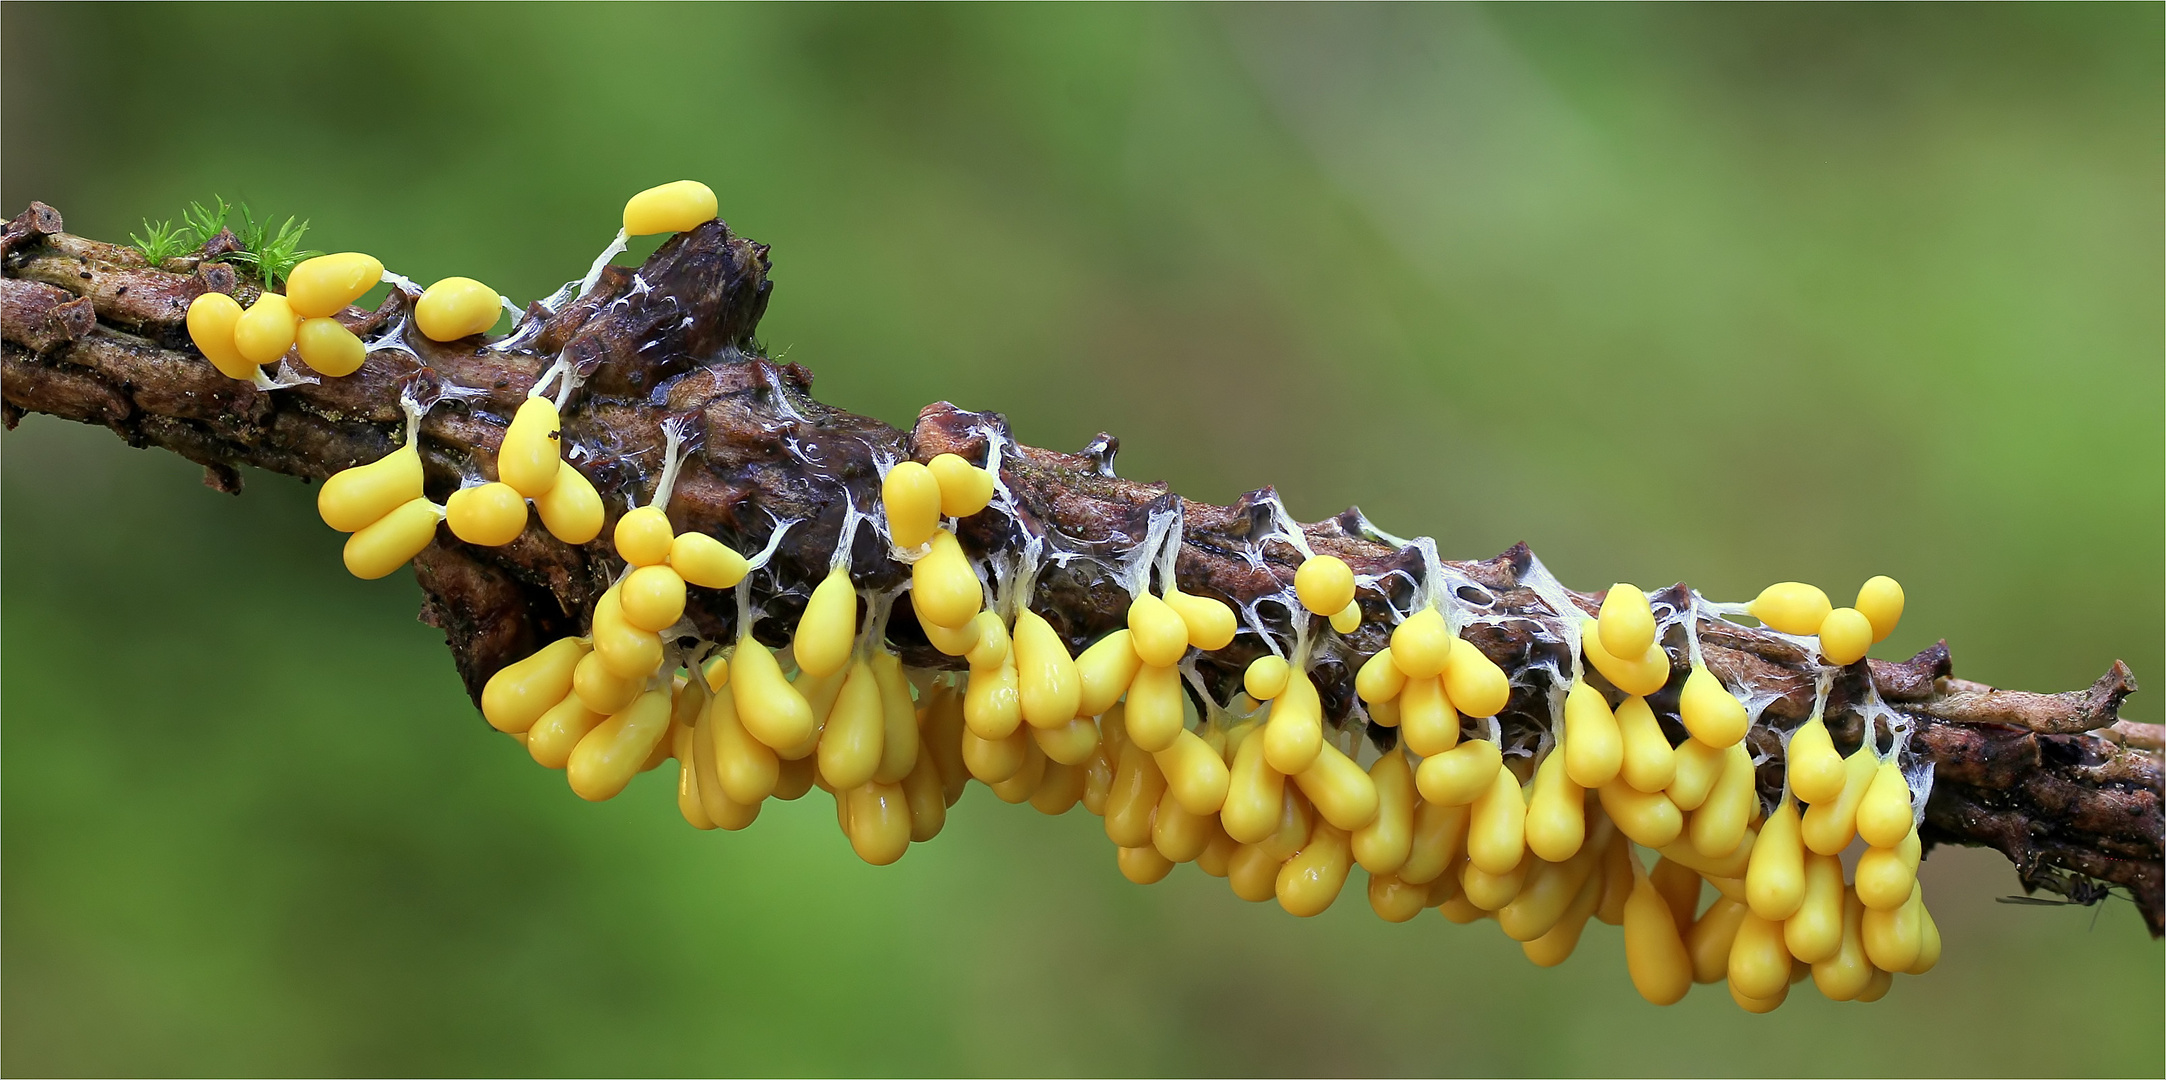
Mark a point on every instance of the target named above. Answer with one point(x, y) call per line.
point(1540, 834)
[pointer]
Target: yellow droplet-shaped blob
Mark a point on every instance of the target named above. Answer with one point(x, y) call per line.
point(1439, 834)
point(1047, 682)
point(911, 497)
point(1791, 607)
point(1422, 644)
point(1843, 976)
point(1655, 954)
point(1719, 824)
point(1195, 774)
point(609, 756)
point(1885, 874)
point(556, 732)
point(705, 561)
point(1710, 938)
point(1073, 743)
point(992, 706)
point(1711, 713)
point(943, 589)
point(1339, 789)
point(1649, 818)
point(652, 598)
point(1884, 816)
point(571, 509)
point(1104, 671)
point(1210, 622)
point(398, 536)
point(1254, 793)
point(1649, 762)
point(1476, 684)
point(850, 743)
point(1379, 679)
point(1155, 708)
point(1311, 880)
point(628, 651)
point(1382, 846)
point(678, 206)
point(531, 454)
point(1295, 733)
point(769, 707)
point(329, 348)
point(211, 319)
point(520, 692)
point(265, 331)
point(1627, 623)
point(1845, 636)
point(1894, 938)
point(457, 307)
point(1557, 945)
point(1395, 901)
point(1158, 633)
point(353, 499)
point(1496, 833)
point(489, 515)
point(746, 768)
point(1593, 746)
point(1459, 775)
point(1699, 766)
point(600, 689)
point(643, 536)
point(996, 761)
point(1775, 880)
point(1556, 813)
point(1324, 584)
point(1137, 787)
point(879, 822)
point(1177, 834)
point(1815, 932)
point(1427, 722)
point(1759, 961)
point(1144, 865)
point(965, 489)
point(1348, 618)
point(323, 286)
point(1644, 675)
point(1265, 677)
point(1881, 601)
point(1829, 825)
point(1816, 771)
point(827, 629)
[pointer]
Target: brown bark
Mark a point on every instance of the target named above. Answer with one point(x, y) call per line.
point(2057, 782)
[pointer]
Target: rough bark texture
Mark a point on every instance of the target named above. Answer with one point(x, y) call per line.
point(2057, 782)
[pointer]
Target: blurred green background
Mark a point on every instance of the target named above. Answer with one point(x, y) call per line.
point(1727, 294)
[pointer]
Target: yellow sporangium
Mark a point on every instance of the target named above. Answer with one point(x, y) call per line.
point(1047, 684)
point(652, 598)
point(828, 627)
point(520, 692)
point(354, 499)
point(398, 536)
point(910, 495)
point(211, 320)
point(1210, 622)
point(1157, 632)
point(1881, 601)
point(678, 206)
point(321, 287)
point(1845, 636)
point(1792, 607)
point(1421, 645)
point(265, 331)
point(571, 509)
point(530, 456)
point(328, 348)
point(965, 489)
point(1711, 713)
point(1644, 675)
point(1324, 584)
point(489, 515)
point(644, 536)
point(703, 560)
point(1593, 746)
point(457, 307)
point(1627, 622)
point(943, 589)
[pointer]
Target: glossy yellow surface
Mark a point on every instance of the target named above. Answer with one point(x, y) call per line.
point(1708, 941)
point(1382, 845)
point(611, 754)
point(1649, 762)
point(1655, 955)
point(643, 536)
point(943, 589)
point(1339, 789)
point(557, 731)
point(1195, 774)
point(745, 768)
point(965, 489)
point(1645, 674)
point(1475, 684)
point(1496, 831)
point(1047, 683)
point(652, 598)
point(702, 560)
point(1815, 932)
point(628, 651)
point(1884, 816)
point(1649, 818)
point(1626, 622)
point(1593, 745)
point(879, 822)
point(353, 499)
point(1718, 826)
point(457, 307)
point(1295, 733)
point(1427, 722)
point(1710, 712)
point(850, 742)
point(992, 706)
point(1698, 767)
point(329, 348)
point(398, 536)
point(1265, 677)
point(1845, 636)
point(1556, 814)
point(828, 627)
point(211, 319)
point(1460, 775)
point(1816, 771)
point(601, 689)
point(1843, 976)
point(520, 692)
point(1254, 793)
point(1324, 584)
point(1422, 644)
point(1775, 880)
point(677, 206)
point(1378, 678)
point(911, 498)
point(490, 515)
point(531, 455)
point(266, 330)
point(1881, 600)
point(1312, 879)
point(325, 285)
point(1155, 707)
point(571, 509)
point(1792, 607)
point(769, 707)
point(1829, 825)
point(1210, 622)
